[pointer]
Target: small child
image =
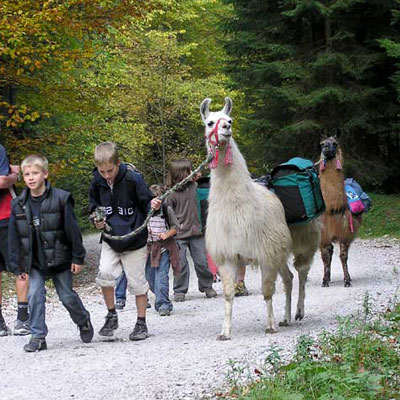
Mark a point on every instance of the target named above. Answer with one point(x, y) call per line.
point(45, 242)
point(162, 250)
point(190, 235)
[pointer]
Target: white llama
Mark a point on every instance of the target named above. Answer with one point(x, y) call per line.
point(246, 223)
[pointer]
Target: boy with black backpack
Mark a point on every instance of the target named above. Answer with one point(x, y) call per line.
point(163, 251)
point(126, 200)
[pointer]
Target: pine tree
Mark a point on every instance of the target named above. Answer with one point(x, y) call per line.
point(311, 69)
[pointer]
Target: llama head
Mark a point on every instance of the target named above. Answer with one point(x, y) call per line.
point(218, 125)
point(329, 147)
point(330, 150)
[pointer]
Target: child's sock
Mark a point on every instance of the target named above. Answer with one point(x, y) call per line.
point(22, 313)
point(142, 319)
point(112, 310)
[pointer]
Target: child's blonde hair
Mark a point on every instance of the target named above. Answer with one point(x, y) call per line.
point(178, 170)
point(106, 152)
point(157, 190)
point(37, 160)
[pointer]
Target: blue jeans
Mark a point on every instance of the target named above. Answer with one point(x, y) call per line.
point(158, 278)
point(37, 300)
point(120, 289)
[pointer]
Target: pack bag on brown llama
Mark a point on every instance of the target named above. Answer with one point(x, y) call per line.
point(296, 183)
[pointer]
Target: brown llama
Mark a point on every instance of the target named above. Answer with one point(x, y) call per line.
point(338, 224)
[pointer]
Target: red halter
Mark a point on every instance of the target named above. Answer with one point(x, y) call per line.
point(213, 139)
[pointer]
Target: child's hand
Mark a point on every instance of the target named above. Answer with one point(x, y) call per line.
point(99, 224)
point(156, 203)
point(14, 169)
point(76, 268)
point(163, 236)
point(23, 276)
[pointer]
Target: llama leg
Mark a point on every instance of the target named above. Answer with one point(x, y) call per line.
point(228, 275)
point(268, 290)
point(302, 263)
point(326, 254)
point(344, 251)
point(287, 278)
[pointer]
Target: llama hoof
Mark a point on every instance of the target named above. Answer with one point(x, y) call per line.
point(325, 283)
point(270, 330)
point(299, 316)
point(223, 337)
point(347, 284)
point(284, 323)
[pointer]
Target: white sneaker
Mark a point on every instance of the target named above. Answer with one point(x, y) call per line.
point(21, 328)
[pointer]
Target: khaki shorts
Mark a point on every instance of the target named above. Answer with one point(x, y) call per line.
point(133, 263)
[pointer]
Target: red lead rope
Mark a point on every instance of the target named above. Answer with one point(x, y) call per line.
point(213, 139)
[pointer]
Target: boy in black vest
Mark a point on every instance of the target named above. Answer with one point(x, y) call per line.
point(45, 242)
point(126, 200)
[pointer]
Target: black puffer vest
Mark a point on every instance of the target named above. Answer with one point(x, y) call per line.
point(56, 249)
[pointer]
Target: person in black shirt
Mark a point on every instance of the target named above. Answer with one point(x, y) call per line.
point(45, 242)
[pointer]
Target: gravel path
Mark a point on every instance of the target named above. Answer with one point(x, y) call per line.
point(182, 358)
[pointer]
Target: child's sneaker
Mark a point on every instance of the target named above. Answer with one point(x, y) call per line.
point(120, 304)
point(35, 344)
point(110, 325)
point(241, 289)
point(86, 331)
point(4, 331)
point(21, 328)
point(179, 297)
point(210, 293)
point(139, 332)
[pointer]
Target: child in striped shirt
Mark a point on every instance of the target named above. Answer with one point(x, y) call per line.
point(162, 252)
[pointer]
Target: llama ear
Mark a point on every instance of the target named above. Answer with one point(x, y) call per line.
point(204, 108)
point(228, 106)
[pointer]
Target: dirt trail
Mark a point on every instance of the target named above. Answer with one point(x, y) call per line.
point(182, 358)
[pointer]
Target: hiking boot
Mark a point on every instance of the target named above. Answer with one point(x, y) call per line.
point(164, 312)
point(120, 304)
point(179, 297)
point(110, 325)
point(241, 289)
point(139, 332)
point(210, 293)
point(4, 331)
point(21, 328)
point(86, 331)
point(35, 344)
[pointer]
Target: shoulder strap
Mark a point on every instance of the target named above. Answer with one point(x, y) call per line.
point(164, 210)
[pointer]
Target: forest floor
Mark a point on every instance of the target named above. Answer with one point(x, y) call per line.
point(182, 358)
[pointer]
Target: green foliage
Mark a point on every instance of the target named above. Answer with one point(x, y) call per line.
point(383, 218)
point(311, 69)
point(360, 361)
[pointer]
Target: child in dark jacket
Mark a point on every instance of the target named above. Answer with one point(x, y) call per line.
point(126, 200)
point(190, 235)
point(45, 242)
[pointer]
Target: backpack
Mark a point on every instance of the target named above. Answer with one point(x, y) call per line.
point(133, 168)
point(357, 200)
point(203, 189)
point(296, 183)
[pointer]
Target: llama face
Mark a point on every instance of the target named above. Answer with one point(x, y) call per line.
point(329, 148)
point(218, 125)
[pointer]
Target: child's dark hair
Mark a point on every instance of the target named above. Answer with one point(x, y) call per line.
point(178, 170)
point(157, 190)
